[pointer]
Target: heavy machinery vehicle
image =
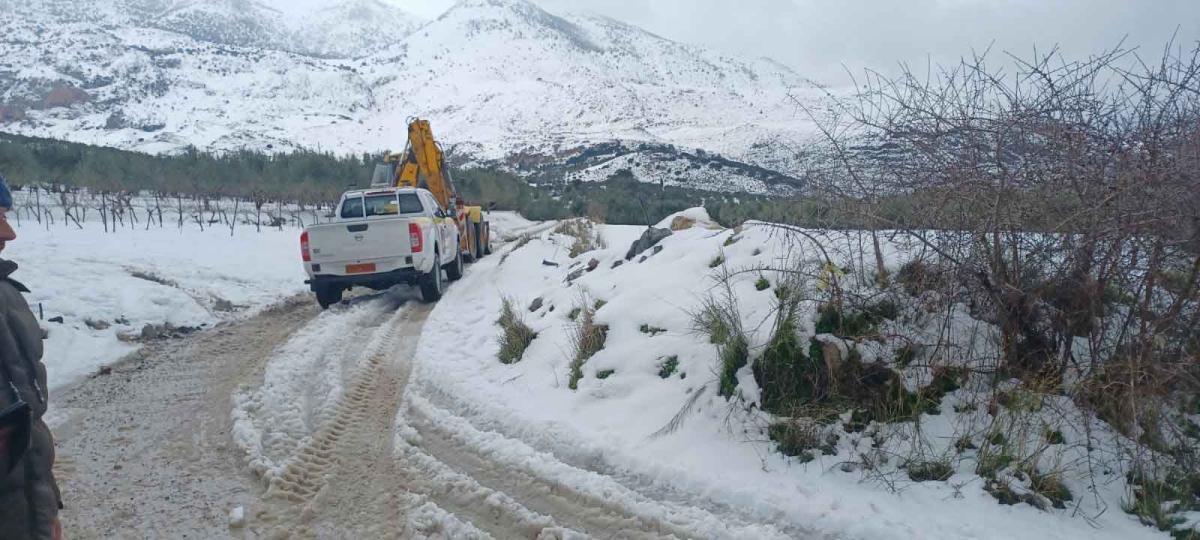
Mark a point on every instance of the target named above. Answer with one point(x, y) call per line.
point(408, 227)
point(424, 165)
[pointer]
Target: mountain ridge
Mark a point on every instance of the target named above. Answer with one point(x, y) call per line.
point(500, 78)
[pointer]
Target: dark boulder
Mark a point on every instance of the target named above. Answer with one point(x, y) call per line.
point(651, 237)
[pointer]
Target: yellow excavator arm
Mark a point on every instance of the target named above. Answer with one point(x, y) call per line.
point(423, 165)
point(423, 160)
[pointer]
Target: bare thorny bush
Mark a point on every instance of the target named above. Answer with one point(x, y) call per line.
point(1060, 201)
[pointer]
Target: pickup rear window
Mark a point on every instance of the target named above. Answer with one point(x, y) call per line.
point(380, 205)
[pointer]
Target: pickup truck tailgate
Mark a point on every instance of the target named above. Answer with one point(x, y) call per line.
point(349, 243)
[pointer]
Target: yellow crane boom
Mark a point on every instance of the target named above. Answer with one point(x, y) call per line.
point(423, 165)
point(423, 160)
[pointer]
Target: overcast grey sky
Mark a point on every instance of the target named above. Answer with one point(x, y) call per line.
point(816, 37)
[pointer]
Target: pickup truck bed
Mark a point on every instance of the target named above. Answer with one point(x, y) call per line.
point(354, 249)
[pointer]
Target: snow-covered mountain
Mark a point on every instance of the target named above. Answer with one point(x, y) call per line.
point(505, 82)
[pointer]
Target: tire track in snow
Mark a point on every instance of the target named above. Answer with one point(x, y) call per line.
point(352, 477)
point(437, 409)
point(574, 508)
point(582, 499)
point(344, 440)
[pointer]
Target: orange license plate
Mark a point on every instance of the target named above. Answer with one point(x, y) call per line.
point(360, 268)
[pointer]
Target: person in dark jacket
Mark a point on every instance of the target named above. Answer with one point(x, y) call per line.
point(29, 496)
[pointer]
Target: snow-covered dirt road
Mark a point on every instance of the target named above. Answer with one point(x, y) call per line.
point(145, 452)
point(344, 449)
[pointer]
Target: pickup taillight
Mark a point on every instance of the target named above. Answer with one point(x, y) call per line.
point(414, 237)
point(304, 247)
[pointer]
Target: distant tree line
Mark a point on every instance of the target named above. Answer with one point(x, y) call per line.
point(311, 177)
point(302, 176)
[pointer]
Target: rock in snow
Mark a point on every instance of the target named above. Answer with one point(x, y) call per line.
point(649, 238)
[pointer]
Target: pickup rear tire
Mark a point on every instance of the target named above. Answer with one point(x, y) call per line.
point(454, 270)
point(431, 281)
point(328, 295)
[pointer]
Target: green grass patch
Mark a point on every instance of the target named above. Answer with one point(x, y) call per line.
point(1053, 436)
point(720, 319)
point(1022, 399)
point(1162, 503)
point(668, 366)
point(587, 339)
point(785, 373)
point(734, 355)
point(515, 335)
point(801, 438)
point(1003, 493)
point(605, 373)
point(1050, 486)
point(717, 261)
point(761, 284)
point(993, 460)
point(712, 324)
point(899, 404)
point(847, 324)
point(1190, 428)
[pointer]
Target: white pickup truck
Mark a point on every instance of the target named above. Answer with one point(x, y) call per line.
point(382, 237)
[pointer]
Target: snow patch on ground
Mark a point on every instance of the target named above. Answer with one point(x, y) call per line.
point(125, 280)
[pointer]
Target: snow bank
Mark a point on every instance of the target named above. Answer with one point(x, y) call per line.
point(720, 456)
point(122, 281)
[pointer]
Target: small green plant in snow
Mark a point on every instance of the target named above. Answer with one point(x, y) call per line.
point(515, 336)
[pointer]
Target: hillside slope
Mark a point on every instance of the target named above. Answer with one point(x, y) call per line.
point(644, 403)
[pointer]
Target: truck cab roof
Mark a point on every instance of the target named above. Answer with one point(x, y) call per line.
point(379, 191)
point(383, 202)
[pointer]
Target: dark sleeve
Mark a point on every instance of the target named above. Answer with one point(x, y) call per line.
point(21, 349)
point(43, 488)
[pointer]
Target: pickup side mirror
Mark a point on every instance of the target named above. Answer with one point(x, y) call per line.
point(439, 213)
